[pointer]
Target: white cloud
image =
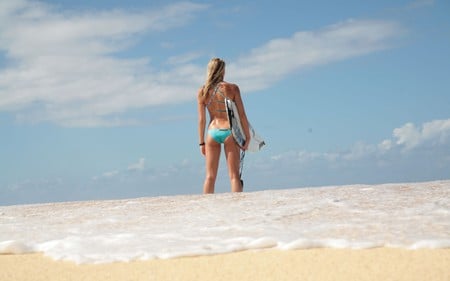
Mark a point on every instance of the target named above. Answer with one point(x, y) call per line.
point(407, 135)
point(146, 172)
point(388, 161)
point(107, 175)
point(139, 166)
point(385, 145)
point(63, 69)
point(434, 132)
point(358, 151)
point(280, 57)
point(414, 153)
point(34, 29)
point(62, 66)
point(184, 58)
point(110, 174)
point(421, 3)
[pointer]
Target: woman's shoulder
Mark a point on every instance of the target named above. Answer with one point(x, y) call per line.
point(230, 87)
point(200, 96)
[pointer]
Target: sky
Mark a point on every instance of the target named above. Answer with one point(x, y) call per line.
point(98, 98)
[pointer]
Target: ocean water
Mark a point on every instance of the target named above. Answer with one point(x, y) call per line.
point(410, 215)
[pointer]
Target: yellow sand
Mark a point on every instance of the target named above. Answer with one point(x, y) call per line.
point(317, 264)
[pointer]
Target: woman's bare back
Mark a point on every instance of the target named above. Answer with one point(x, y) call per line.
point(216, 106)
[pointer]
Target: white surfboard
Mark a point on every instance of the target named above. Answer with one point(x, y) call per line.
point(256, 142)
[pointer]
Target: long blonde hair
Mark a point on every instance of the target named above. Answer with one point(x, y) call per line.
point(215, 74)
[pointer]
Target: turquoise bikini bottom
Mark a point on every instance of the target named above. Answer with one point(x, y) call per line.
point(219, 135)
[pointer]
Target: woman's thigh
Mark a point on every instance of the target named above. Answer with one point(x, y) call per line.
point(233, 156)
point(213, 150)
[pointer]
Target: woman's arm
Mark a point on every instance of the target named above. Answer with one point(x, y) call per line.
point(201, 121)
point(242, 115)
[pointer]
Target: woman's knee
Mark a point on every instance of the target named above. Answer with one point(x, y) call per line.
point(211, 177)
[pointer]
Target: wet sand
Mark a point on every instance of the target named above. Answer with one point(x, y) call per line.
point(313, 264)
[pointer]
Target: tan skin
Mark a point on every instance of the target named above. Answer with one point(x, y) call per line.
point(212, 149)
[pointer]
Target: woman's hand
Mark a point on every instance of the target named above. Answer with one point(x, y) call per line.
point(203, 150)
point(245, 147)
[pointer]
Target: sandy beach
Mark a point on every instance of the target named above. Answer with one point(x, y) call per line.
point(390, 232)
point(313, 264)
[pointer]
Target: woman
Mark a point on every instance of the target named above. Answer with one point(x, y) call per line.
point(211, 96)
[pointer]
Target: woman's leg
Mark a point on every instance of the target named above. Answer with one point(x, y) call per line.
point(232, 152)
point(212, 151)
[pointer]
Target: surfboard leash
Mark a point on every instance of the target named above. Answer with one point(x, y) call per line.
point(241, 168)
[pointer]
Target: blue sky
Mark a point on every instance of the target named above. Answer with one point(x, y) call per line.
point(97, 98)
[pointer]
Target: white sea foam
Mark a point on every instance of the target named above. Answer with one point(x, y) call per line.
point(410, 216)
point(13, 247)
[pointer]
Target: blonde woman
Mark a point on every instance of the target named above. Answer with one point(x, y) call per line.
point(211, 97)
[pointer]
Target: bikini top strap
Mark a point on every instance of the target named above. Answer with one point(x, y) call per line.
point(216, 90)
